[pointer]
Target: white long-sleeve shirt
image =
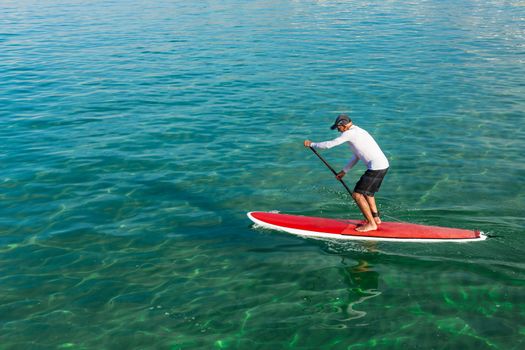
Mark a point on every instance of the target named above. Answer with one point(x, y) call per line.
point(363, 145)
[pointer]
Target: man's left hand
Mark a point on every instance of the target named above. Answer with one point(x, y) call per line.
point(307, 143)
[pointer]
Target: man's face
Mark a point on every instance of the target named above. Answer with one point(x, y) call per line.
point(341, 128)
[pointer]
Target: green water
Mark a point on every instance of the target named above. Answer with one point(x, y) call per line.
point(136, 135)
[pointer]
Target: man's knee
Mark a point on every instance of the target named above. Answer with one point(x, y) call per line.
point(357, 195)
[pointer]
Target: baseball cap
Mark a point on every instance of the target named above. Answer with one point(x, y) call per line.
point(342, 119)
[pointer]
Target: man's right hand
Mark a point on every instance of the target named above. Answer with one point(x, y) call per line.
point(340, 175)
point(307, 143)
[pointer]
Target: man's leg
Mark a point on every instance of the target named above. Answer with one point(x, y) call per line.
point(363, 205)
point(373, 208)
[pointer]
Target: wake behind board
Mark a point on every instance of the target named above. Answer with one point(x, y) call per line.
point(345, 229)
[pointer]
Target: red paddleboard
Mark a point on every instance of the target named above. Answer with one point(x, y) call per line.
point(345, 229)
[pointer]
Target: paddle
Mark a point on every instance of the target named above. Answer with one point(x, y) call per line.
point(332, 169)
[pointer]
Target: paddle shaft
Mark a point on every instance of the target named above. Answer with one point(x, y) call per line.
point(331, 169)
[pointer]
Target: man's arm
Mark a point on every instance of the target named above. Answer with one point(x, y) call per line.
point(330, 144)
point(351, 163)
point(348, 166)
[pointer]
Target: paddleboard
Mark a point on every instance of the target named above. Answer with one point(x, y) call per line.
point(345, 229)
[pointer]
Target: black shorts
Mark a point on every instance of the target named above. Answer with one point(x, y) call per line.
point(370, 182)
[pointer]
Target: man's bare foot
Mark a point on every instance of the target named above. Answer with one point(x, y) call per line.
point(371, 226)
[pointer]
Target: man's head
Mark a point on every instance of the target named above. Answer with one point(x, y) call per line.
point(342, 123)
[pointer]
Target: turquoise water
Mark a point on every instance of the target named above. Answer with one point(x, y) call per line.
point(135, 136)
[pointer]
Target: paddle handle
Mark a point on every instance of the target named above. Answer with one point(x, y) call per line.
point(331, 169)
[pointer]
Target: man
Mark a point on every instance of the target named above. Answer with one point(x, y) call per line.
point(367, 150)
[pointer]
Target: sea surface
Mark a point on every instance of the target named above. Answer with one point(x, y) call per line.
point(135, 135)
